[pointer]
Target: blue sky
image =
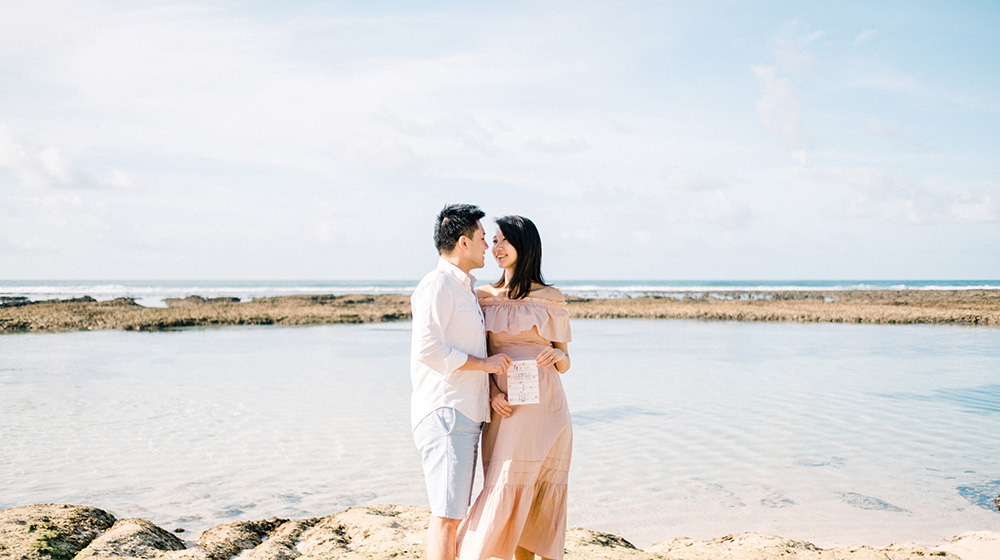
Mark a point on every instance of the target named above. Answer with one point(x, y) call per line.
point(647, 140)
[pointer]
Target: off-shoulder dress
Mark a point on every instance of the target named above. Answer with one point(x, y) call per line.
point(526, 456)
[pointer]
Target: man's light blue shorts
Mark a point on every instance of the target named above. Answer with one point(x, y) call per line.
point(449, 444)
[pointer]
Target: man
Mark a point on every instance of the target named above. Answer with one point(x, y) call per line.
point(449, 371)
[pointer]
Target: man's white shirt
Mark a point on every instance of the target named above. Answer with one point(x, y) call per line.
point(448, 326)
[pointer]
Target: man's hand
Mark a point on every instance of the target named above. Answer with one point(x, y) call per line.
point(497, 363)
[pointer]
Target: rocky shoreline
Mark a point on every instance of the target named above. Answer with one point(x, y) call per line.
point(64, 532)
point(962, 307)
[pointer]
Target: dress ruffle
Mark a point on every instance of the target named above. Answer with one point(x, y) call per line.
point(523, 504)
point(515, 316)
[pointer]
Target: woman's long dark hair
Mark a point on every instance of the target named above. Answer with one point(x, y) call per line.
point(522, 234)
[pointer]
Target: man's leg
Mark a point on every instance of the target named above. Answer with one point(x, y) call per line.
point(441, 538)
point(448, 442)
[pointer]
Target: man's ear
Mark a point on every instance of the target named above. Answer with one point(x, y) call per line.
point(463, 242)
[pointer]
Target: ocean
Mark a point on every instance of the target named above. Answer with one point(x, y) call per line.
point(833, 433)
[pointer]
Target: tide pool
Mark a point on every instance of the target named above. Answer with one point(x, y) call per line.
point(837, 434)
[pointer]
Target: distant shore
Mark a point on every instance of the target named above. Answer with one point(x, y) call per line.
point(960, 307)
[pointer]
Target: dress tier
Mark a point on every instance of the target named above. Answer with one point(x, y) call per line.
point(526, 456)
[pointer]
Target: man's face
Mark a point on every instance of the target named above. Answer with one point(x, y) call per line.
point(477, 248)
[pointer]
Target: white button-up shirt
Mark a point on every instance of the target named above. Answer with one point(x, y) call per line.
point(448, 326)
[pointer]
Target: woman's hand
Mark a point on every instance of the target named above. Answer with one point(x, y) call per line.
point(500, 404)
point(549, 357)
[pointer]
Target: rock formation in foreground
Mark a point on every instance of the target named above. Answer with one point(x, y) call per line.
point(63, 532)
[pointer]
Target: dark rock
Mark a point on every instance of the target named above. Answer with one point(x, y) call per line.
point(588, 538)
point(225, 541)
point(50, 531)
point(198, 300)
point(81, 299)
point(14, 301)
point(283, 541)
point(21, 301)
point(132, 538)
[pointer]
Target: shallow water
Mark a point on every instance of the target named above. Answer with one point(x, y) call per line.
point(838, 434)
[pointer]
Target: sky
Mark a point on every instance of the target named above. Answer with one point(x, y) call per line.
point(689, 140)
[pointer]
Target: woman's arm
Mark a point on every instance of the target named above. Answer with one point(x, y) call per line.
point(556, 355)
point(498, 399)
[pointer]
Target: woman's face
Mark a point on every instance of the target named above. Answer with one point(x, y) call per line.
point(503, 251)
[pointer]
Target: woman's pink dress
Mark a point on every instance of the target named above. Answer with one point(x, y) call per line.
point(526, 455)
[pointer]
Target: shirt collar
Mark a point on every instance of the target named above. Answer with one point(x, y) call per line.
point(456, 273)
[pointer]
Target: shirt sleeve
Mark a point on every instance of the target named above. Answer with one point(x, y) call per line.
point(431, 309)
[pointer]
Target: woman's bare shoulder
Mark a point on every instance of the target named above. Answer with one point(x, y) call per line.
point(550, 293)
point(486, 290)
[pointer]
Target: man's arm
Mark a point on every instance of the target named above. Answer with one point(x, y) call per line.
point(431, 307)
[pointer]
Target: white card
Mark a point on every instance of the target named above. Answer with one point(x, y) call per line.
point(522, 382)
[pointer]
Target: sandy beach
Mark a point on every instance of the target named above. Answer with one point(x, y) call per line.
point(54, 531)
point(960, 307)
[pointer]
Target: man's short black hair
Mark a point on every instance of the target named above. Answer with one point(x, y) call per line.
point(454, 221)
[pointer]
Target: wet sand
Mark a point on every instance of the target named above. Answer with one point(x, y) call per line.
point(963, 307)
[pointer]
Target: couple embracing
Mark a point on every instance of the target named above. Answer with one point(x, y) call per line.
point(465, 341)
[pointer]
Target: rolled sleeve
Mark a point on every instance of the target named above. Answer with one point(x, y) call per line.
point(430, 320)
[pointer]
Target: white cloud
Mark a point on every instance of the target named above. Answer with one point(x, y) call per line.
point(872, 193)
point(973, 211)
point(643, 237)
point(557, 147)
point(790, 47)
point(890, 82)
point(382, 155)
point(705, 198)
point(864, 36)
point(682, 180)
point(583, 234)
point(865, 178)
point(937, 208)
point(49, 167)
point(778, 109)
point(73, 223)
point(718, 206)
point(122, 180)
point(799, 156)
point(893, 132)
point(37, 167)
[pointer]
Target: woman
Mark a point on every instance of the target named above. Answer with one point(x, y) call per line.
point(526, 448)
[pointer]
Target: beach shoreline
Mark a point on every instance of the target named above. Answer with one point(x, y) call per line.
point(51, 531)
point(978, 307)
